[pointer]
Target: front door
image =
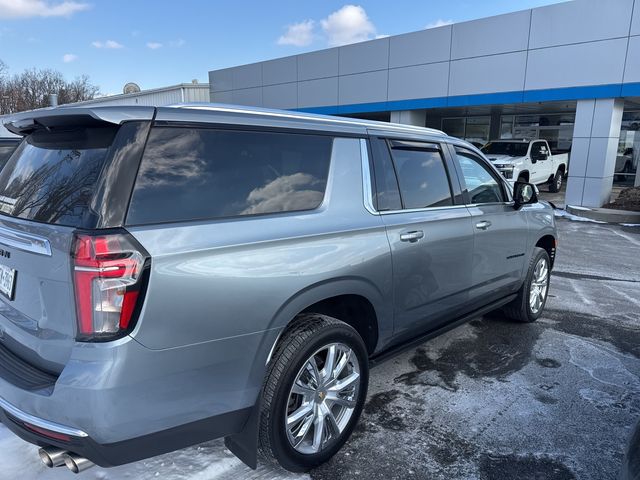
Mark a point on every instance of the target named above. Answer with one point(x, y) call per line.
point(541, 170)
point(500, 231)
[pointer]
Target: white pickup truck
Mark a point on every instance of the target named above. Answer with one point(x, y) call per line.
point(528, 161)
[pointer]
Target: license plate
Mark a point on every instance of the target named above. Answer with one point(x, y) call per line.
point(7, 281)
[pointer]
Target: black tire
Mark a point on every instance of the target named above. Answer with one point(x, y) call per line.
point(309, 333)
point(520, 309)
point(556, 182)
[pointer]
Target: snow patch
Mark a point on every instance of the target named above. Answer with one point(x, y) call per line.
point(564, 214)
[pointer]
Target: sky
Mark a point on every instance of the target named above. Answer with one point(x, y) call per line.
point(165, 42)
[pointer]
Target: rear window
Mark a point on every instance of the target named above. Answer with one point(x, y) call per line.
point(193, 173)
point(51, 177)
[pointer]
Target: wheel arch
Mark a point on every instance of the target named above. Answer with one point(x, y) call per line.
point(548, 243)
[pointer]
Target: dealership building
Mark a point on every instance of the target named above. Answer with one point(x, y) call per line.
point(568, 73)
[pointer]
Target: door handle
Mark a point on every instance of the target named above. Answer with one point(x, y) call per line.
point(411, 236)
point(483, 225)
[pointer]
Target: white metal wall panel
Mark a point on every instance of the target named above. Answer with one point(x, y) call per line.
point(196, 93)
point(320, 64)
point(248, 96)
point(632, 70)
point(247, 76)
point(318, 93)
point(489, 36)
point(221, 80)
point(580, 21)
point(281, 70)
point(426, 46)
point(283, 95)
point(495, 73)
point(420, 81)
point(635, 23)
point(363, 88)
point(364, 57)
point(593, 63)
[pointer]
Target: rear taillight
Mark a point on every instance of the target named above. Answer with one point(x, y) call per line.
point(109, 273)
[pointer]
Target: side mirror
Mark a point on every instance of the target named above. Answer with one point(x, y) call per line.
point(524, 194)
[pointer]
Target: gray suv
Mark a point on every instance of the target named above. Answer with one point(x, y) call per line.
point(173, 275)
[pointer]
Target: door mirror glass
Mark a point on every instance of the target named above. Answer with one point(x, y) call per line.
point(524, 194)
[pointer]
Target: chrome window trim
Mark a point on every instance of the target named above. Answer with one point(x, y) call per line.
point(25, 241)
point(506, 204)
point(39, 422)
point(367, 179)
point(425, 209)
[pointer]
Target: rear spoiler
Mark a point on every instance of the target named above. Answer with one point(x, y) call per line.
point(61, 117)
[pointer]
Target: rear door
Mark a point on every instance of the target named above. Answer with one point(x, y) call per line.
point(500, 231)
point(46, 191)
point(429, 231)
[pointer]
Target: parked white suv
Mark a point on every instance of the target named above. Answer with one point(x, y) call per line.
point(528, 161)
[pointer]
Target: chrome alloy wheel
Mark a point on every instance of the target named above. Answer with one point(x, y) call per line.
point(539, 286)
point(559, 182)
point(322, 399)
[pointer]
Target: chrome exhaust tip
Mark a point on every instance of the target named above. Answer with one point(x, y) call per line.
point(52, 456)
point(76, 463)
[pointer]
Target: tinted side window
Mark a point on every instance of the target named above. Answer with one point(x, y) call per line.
point(422, 176)
point(189, 174)
point(538, 148)
point(481, 184)
point(387, 195)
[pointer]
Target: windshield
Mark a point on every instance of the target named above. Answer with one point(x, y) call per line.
point(51, 177)
point(513, 149)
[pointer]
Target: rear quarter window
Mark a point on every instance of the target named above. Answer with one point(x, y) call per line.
point(196, 173)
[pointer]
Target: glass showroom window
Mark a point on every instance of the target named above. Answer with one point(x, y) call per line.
point(557, 129)
point(473, 129)
point(628, 149)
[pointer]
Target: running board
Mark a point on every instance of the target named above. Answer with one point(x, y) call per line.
point(403, 347)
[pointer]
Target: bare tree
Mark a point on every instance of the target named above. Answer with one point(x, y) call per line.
point(31, 89)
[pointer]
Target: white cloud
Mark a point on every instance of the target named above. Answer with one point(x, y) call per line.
point(69, 57)
point(350, 24)
point(438, 23)
point(177, 43)
point(154, 45)
point(39, 8)
point(298, 34)
point(111, 44)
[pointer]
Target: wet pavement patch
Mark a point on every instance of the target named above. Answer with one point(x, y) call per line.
point(497, 349)
point(493, 467)
point(548, 363)
point(626, 339)
point(385, 413)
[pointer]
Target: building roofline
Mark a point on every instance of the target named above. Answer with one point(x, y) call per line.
point(144, 92)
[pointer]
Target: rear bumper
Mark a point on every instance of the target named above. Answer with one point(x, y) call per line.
point(126, 451)
point(119, 401)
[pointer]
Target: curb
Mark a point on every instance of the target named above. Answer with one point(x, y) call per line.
point(605, 214)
